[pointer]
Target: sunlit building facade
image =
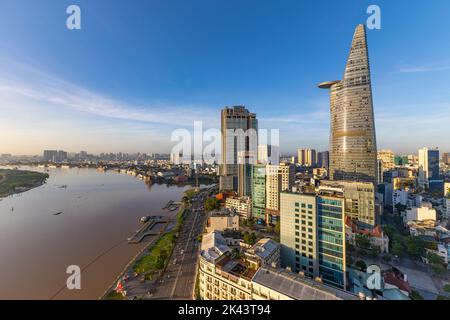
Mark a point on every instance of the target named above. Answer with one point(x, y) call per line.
point(234, 119)
point(353, 148)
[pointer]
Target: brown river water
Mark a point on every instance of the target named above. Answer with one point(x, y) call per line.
point(100, 210)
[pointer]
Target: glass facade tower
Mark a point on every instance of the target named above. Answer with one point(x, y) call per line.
point(233, 120)
point(353, 148)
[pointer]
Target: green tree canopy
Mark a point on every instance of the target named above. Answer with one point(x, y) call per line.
point(212, 204)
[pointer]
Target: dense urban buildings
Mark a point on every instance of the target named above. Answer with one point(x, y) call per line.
point(353, 148)
point(235, 123)
point(359, 199)
point(55, 156)
point(387, 157)
point(307, 157)
point(254, 275)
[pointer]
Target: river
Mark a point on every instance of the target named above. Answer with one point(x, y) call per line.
point(100, 210)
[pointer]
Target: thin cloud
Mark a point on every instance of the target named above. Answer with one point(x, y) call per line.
point(60, 93)
point(422, 69)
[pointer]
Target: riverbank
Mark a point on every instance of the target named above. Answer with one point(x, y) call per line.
point(18, 181)
point(146, 267)
point(100, 211)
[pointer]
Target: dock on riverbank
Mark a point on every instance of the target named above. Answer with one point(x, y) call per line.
point(147, 229)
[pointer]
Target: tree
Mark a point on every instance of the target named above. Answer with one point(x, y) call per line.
point(433, 258)
point(438, 268)
point(387, 258)
point(350, 247)
point(161, 259)
point(414, 246)
point(361, 265)
point(447, 288)
point(349, 260)
point(212, 204)
point(277, 228)
point(374, 252)
point(416, 296)
point(250, 238)
point(362, 241)
point(397, 249)
point(400, 207)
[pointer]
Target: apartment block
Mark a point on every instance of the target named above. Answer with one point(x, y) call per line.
point(313, 235)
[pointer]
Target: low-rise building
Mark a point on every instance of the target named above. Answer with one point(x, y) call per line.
point(242, 206)
point(426, 228)
point(423, 213)
point(399, 196)
point(376, 236)
point(265, 252)
point(222, 220)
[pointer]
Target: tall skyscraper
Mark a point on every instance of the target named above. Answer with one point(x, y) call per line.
point(353, 148)
point(307, 157)
point(429, 172)
point(233, 120)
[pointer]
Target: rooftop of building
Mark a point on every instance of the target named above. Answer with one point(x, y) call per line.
point(223, 212)
point(214, 246)
point(396, 278)
point(325, 192)
point(235, 267)
point(264, 248)
point(359, 228)
point(298, 287)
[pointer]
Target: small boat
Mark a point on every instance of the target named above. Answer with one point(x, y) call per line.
point(58, 213)
point(144, 219)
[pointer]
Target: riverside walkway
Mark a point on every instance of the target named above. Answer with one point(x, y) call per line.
point(147, 229)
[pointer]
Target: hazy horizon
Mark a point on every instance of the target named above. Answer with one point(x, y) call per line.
point(133, 74)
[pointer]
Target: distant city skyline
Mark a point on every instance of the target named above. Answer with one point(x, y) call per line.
point(133, 74)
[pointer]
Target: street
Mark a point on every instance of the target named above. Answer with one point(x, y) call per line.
point(178, 280)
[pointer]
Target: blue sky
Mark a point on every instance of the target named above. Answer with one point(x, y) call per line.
point(137, 70)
